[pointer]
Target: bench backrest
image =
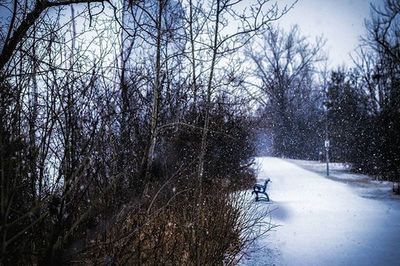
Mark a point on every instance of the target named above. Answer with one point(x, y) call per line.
point(265, 184)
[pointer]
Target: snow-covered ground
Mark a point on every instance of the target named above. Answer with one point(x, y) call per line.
point(343, 220)
point(365, 185)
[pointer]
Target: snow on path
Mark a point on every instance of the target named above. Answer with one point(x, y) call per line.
point(324, 222)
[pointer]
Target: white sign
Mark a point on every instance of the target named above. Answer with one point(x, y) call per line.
point(326, 143)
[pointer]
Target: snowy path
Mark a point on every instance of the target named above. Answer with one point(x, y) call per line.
point(324, 222)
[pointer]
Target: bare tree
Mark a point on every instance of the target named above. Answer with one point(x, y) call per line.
point(285, 64)
point(21, 23)
point(252, 21)
point(383, 30)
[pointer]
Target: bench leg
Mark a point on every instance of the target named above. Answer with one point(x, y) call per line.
point(257, 197)
point(266, 195)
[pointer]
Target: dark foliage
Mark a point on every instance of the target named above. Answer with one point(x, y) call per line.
point(229, 151)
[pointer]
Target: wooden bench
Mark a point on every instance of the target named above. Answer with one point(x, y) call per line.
point(261, 189)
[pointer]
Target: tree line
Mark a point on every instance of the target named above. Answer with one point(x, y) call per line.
point(302, 103)
point(364, 102)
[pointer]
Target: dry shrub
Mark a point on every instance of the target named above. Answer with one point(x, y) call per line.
point(186, 228)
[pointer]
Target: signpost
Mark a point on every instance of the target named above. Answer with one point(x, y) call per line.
point(327, 144)
point(327, 156)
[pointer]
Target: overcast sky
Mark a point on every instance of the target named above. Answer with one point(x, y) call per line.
point(340, 21)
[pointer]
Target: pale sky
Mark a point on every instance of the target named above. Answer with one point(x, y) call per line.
point(341, 22)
